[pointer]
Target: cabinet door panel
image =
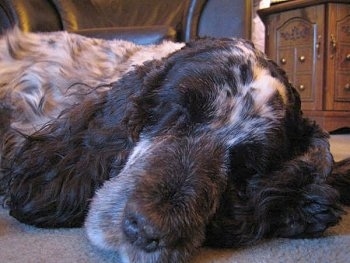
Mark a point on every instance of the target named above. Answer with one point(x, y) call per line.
point(293, 41)
point(338, 58)
point(343, 24)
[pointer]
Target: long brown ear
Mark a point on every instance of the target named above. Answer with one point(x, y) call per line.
point(340, 180)
point(144, 82)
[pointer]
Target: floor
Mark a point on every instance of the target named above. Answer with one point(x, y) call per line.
point(340, 146)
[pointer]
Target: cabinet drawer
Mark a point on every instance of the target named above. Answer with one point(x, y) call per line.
point(303, 84)
point(285, 58)
point(304, 59)
point(342, 87)
point(343, 57)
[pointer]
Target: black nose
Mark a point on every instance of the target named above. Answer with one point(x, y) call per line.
point(140, 232)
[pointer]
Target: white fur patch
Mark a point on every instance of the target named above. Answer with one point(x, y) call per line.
point(261, 89)
point(104, 201)
point(264, 86)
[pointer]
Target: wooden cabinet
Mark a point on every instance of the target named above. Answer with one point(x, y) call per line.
point(310, 39)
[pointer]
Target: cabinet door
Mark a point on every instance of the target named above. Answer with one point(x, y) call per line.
point(294, 42)
point(338, 58)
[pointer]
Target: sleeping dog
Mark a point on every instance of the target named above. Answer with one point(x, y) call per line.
point(205, 146)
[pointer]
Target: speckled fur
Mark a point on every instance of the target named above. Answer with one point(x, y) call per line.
point(44, 73)
point(207, 146)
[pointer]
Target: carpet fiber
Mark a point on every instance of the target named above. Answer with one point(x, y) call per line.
point(25, 244)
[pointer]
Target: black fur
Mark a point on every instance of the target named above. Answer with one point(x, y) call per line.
point(194, 152)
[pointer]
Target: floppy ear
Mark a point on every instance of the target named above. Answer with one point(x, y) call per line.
point(294, 200)
point(56, 172)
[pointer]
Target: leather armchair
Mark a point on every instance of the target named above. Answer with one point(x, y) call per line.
point(144, 22)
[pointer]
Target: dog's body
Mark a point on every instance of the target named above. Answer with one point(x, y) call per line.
point(43, 74)
point(206, 146)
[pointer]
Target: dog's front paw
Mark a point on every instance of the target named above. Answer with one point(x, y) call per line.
point(306, 212)
point(321, 209)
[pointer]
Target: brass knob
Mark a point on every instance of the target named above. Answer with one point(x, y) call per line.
point(301, 87)
point(302, 58)
point(333, 42)
point(283, 61)
point(347, 87)
point(347, 57)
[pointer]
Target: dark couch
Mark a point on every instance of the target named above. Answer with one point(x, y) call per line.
point(141, 21)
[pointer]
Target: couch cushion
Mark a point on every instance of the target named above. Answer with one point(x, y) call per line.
point(142, 35)
point(83, 14)
point(29, 15)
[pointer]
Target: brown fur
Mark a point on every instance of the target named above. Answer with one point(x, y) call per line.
point(207, 146)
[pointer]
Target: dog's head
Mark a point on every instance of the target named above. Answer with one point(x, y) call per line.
point(198, 107)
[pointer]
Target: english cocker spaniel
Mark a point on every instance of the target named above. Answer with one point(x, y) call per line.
point(207, 146)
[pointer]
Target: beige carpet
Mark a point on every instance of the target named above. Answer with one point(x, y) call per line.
point(340, 147)
point(25, 244)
